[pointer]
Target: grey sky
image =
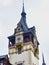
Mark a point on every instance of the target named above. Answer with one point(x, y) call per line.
point(37, 15)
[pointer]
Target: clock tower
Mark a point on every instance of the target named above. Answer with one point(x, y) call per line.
point(23, 44)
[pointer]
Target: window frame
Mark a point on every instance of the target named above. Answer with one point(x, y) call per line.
point(19, 50)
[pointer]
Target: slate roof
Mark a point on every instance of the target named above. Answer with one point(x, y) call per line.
point(23, 23)
point(3, 56)
point(23, 20)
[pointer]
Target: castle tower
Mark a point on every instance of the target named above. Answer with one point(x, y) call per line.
point(23, 44)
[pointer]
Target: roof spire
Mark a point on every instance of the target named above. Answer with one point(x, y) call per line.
point(23, 10)
point(43, 59)
point(23, 7)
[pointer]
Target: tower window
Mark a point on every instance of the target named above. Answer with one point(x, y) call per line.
point(19, 64)
point(19, 50)
point(18, 29)
point(26, 38)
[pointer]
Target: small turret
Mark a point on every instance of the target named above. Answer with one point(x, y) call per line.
point(43, 59)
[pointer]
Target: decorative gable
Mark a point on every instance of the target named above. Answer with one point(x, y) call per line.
point(19, 27)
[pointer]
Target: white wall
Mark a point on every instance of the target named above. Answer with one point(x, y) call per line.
point(15, 58)
point(34, 59)
point(26, 56)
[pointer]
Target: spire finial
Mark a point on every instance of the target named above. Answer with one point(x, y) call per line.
point(23, 2)
point(23, 10)
point(23, 7)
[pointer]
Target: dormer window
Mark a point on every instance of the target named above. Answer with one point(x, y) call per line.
point(18, 29)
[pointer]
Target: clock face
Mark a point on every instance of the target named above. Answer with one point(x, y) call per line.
point(19, 39)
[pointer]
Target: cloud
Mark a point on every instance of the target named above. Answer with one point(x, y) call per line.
point(1, 28)
point(6, 2)
point(45, 3)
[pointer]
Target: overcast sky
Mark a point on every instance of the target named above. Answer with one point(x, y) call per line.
point(37, 15)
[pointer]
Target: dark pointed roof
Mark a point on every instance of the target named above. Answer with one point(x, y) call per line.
point(3, 56)
point(24, 24)
point(23, 19)
point(43, 59)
